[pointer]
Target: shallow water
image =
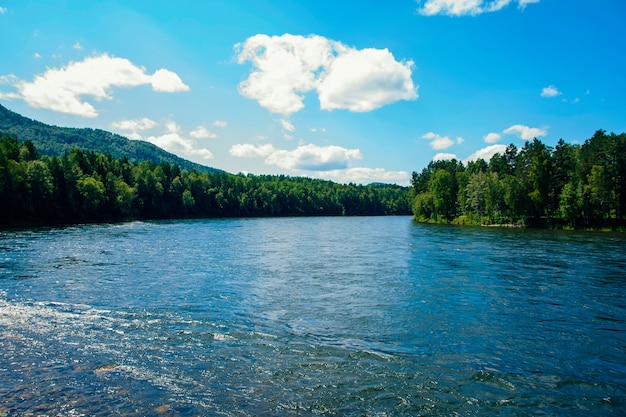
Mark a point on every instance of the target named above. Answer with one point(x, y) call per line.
point(311, 316)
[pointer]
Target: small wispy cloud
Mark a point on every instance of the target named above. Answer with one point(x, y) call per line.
point(287, 125)
point(201, 132)
point(172, 141)
point(443, 156)
point(492, 137)
point(550, 91)
point(220, 123)
point(466, 7)
point(486, 153)
point(525, 132)
point(523, 3)
point(134, 125)
point(438, 142)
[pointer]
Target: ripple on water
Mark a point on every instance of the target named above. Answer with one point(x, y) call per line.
point(343, 316)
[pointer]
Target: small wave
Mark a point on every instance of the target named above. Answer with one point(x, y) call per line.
point(491, 378)
point(222, 337)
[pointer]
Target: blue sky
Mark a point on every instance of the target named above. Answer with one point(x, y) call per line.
point(343, 90)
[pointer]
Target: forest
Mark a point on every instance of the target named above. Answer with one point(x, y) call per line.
point(568, 186)
point(84, 186)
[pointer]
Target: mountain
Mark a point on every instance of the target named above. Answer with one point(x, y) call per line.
point(55, 141)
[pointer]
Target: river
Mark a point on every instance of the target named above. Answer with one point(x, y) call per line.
point(346, 316)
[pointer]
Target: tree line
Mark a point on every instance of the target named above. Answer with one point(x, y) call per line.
point(569, 185)
point(85, 186)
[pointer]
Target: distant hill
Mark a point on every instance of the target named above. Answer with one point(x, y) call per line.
point(55, 141)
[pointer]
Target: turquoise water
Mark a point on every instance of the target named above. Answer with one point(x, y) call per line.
point(354, 316)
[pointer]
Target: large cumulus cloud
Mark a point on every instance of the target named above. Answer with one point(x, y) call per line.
point(287, 67)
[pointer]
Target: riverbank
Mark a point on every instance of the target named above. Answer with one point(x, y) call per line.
point(528, 224)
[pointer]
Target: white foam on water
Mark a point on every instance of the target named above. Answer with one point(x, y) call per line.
point(98, 333)
point(221, 337)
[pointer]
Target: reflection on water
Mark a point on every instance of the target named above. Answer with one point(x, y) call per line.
point(310, 316)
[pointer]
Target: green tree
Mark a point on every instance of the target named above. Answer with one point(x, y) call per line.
point(442, 187)
point(125, 197)
point(41, 188)
point(534, 170)
point(571, 202)
point(597, 192)
point(93, 195)
point(476, 193)
point(188, 201)
point(424, 206)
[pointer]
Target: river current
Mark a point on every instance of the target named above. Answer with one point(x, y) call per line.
point(346, 316)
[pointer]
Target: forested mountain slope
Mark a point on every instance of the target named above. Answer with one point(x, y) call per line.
point(56, 141)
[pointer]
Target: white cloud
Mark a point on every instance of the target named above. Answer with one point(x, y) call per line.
point(525, 132)
point(288, 66)
point(201, 132)
point(363, 80)
point(220, 123)
point(314, 158)
point(285, 67)
point(442, 156)
point(3, 10)
point(36, 55)
point(287, 125)
point(486, 153)
point(8, 96)
point(77, 46)
point(362, 175)
point(172, 127)
point(327, 162)
point(459, 140)
point(492, 137)
point(305, 157)
point(466, 7)
point(134, 125)
point(523, 3)
point(62, 89)
point(165, 81)
point(173, 142)
point(438, 142)
point(8, 80)
point(247, 150)
point(550, 91)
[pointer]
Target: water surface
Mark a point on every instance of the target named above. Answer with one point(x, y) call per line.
point(311, 316)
